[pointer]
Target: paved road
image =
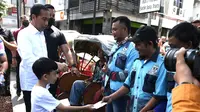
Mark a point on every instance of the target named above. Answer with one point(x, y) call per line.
point(17, 102)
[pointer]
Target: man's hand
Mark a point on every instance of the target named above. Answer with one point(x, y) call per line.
point(105, 68)
point(102, 89)
point(14, 62)
point(1, 38)
point(74, 70)
point(183, 72)
point(62, 67)
point(1, 72)
point(144, 110)
point(107, 99)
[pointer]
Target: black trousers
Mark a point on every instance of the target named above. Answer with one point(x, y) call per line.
point(27, 100)
point(7, 78)
point(17, 74)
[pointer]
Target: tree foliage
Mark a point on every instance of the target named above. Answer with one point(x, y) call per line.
point(2, 5)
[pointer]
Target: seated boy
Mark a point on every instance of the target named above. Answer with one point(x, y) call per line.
point(41, 99)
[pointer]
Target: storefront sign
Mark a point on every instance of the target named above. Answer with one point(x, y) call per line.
point(149, 6)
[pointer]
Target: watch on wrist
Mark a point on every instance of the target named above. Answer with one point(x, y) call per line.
point(186, 83)
point(74, 65)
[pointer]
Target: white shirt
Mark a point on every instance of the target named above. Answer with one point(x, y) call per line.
point(42, 100)
point(31, 46)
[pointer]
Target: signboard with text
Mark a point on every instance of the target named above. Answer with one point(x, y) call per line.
point(58, 4)
point(149, 6)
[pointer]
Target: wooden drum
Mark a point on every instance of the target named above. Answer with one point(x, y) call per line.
point(67, 79)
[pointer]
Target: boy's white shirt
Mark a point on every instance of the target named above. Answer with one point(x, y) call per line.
point(42, 100)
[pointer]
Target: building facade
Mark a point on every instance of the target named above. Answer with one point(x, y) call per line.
point(196, 13)
point(81, 14)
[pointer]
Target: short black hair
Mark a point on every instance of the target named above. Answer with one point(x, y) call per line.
point(49, 6)
point(124, 20)
point(43, 66)
point(36, 9)
point(196, 21)
point(186, 32)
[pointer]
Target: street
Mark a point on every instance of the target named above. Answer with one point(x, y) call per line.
point(17, 102)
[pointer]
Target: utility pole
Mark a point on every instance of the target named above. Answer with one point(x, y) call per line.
point(24, 7)
point(161, 15)
point(149, 19)
point(94, 17)
point(67, 5)
point(107, 19)
point(18, 12)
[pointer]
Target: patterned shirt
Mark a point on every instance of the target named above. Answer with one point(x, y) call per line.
point(2, 53)
point(2, 49)
point(98, 73)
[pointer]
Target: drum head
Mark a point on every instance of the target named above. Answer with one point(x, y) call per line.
point(67, 79)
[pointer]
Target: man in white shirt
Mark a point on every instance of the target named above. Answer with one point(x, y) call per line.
point(32, 46)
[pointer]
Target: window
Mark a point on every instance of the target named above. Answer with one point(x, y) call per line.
point(178, 3)
point(83, 1)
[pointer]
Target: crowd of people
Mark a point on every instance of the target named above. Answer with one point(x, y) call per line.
point(133, 77)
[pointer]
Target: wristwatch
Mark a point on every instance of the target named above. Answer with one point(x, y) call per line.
point(186, 83)
point(73, 65)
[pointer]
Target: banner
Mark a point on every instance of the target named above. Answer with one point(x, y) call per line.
point(149, 6)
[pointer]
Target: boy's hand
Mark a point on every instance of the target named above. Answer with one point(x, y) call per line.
point(107, 99)
point(89, 107)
